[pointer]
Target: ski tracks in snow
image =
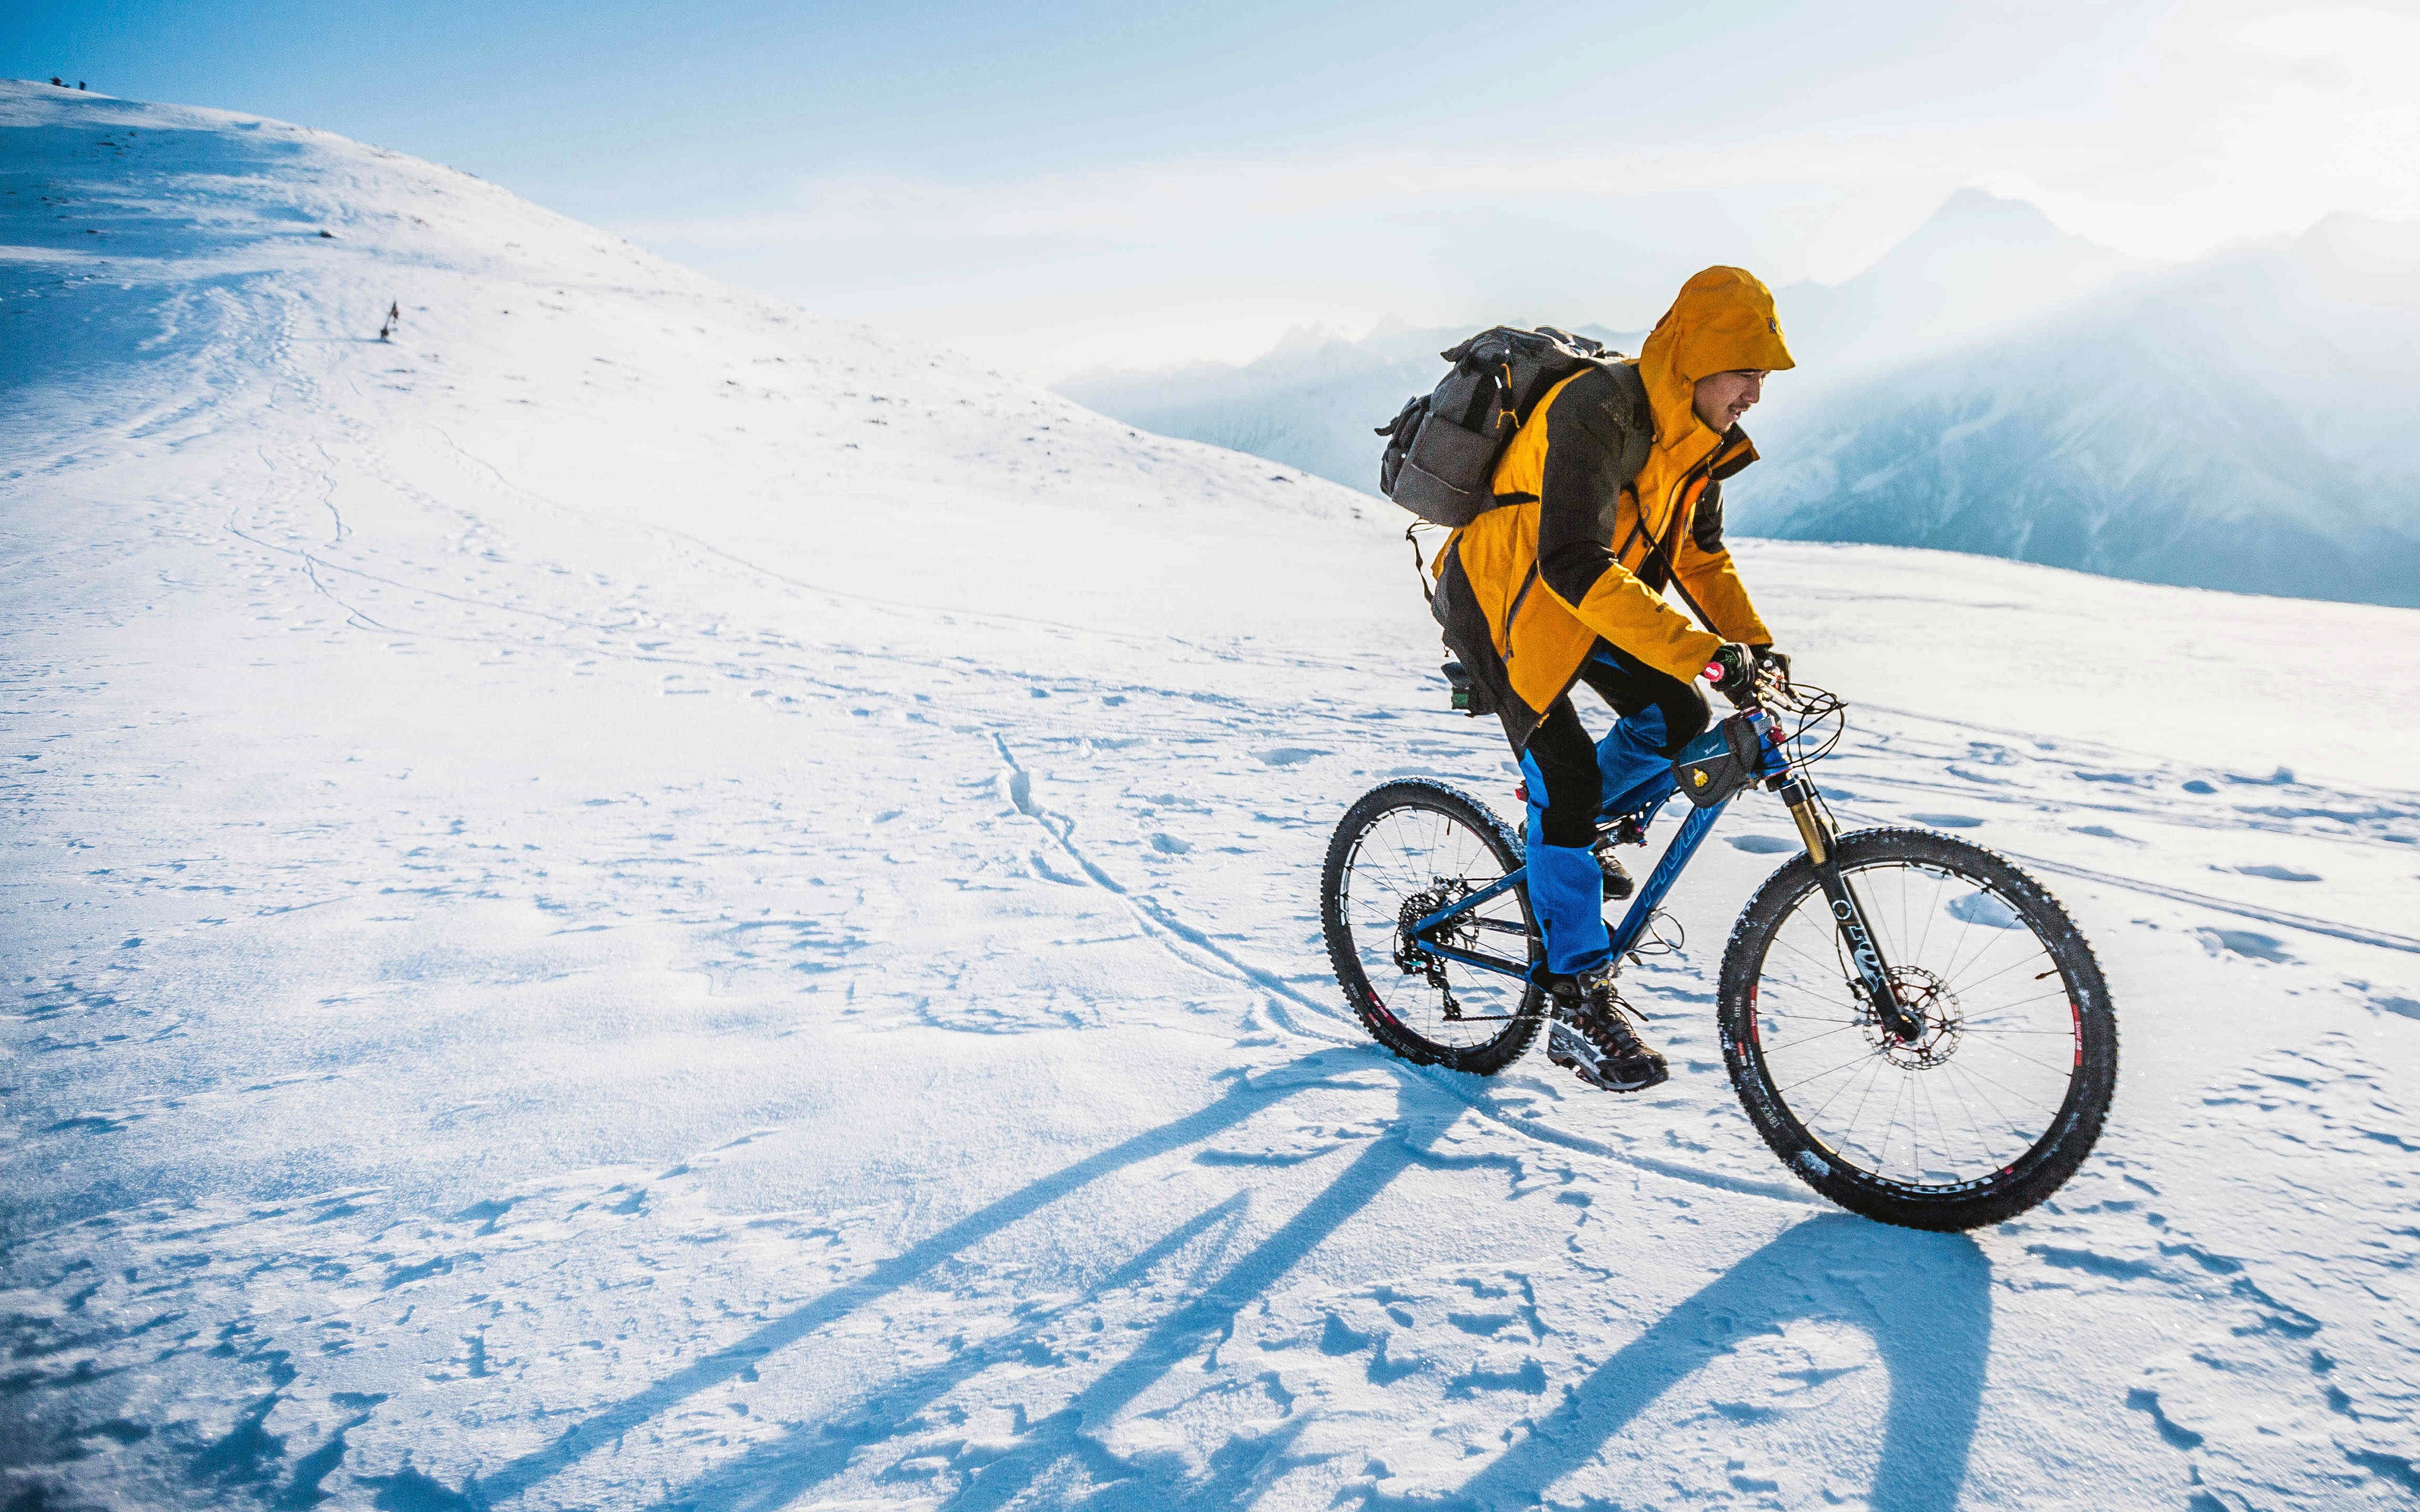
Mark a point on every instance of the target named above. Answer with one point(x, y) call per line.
point(1191, 945)
point(1188, 944)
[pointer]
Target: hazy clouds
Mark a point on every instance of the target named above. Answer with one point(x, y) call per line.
point(2162, 136)
point(1066, 183)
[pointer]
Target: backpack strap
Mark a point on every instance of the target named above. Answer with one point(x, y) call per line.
point(1638, 440)
point(1640, 437)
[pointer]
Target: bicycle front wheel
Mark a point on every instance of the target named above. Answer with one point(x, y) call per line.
point(1987, 1111)
point(1402, 851)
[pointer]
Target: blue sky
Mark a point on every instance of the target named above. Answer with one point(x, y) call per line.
point(1054, 185)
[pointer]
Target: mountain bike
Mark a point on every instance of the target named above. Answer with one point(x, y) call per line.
point(1913, 1025)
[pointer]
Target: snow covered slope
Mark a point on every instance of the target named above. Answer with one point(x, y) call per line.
point(635, 899)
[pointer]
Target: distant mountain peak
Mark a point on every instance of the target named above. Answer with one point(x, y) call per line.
point(1316, 336)
point(1981, 262)
point(2355, 241)
point(1978, 219)
point(1972, 206)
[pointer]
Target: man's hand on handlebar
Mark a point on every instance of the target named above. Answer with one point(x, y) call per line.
point(1742, 672)
point(1772, 665)
point(1733, 671)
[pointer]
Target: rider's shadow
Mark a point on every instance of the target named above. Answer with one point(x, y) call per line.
point(1925, 1300)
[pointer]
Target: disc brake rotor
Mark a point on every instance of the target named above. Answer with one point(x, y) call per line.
point(1943, 1023)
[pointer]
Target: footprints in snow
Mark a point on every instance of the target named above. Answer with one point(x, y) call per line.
point(1763, 844)
point(1946, 821)
point(1494, 1363)
point(2250, 944)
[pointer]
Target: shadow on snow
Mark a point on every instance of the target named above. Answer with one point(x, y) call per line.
point(1923, 1299)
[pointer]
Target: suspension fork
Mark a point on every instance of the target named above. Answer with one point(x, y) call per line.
point(1872, 981)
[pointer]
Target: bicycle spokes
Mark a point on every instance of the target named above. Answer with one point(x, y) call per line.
point(1978, 1065)
point(1403, 866)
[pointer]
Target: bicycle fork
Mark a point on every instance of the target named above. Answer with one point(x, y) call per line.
point(1872, 981)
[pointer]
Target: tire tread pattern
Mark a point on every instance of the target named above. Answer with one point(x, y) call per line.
point(2053, 1159)
point(1483, 1059)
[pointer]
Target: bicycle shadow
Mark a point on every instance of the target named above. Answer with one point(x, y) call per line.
point(1925, 1300)
point(777, 1474)
point(1242, 1100)
point(1934, 1345)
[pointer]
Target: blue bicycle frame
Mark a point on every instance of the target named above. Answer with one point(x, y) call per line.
point(1675, 860)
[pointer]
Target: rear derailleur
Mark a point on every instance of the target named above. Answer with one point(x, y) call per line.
point(1412, 961)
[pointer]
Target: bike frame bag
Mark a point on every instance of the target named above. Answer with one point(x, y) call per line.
point(1719, 764)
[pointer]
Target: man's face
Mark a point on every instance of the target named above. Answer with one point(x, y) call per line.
point(1723, 397)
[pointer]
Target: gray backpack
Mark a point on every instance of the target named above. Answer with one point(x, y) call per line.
point(1442, 449)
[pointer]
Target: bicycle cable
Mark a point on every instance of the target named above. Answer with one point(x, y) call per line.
point(1653, 941)
point(1820, 720)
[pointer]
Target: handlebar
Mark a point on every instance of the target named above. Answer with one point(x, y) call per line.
point(1753, 698)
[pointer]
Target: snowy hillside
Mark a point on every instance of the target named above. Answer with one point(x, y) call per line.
point(636, 899)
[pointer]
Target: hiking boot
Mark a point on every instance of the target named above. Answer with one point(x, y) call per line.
point(1591, 1035)
point(1618, 885)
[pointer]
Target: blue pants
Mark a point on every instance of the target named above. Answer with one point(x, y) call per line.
point(1634, 761)
point(1573, 781)
point(1566, 890)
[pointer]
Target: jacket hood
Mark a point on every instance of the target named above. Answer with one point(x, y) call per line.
point(1722, 319)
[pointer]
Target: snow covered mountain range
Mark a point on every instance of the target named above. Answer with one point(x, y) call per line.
point(1994, 385)
point(2247, 424)
point(1305, 403)
point(1982, 264)
point(634, 898)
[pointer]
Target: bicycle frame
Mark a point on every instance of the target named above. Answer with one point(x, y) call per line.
point(1871, 974)
point(1659, 884)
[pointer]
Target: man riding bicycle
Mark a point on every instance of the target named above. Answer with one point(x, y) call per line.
point(1564, 583)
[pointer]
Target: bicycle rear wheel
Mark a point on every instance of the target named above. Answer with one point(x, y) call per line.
point(1402, 851)
point(1987, 1111)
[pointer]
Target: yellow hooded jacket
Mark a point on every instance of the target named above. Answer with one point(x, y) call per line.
point(1574, 552)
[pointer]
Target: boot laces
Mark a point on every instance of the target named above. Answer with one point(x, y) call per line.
point(1601, 1016)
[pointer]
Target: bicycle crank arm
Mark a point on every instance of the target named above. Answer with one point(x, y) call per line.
point(1873, 982)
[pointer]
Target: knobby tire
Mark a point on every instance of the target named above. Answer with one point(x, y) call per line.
point(1993, 1196)
point(1345, 953)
